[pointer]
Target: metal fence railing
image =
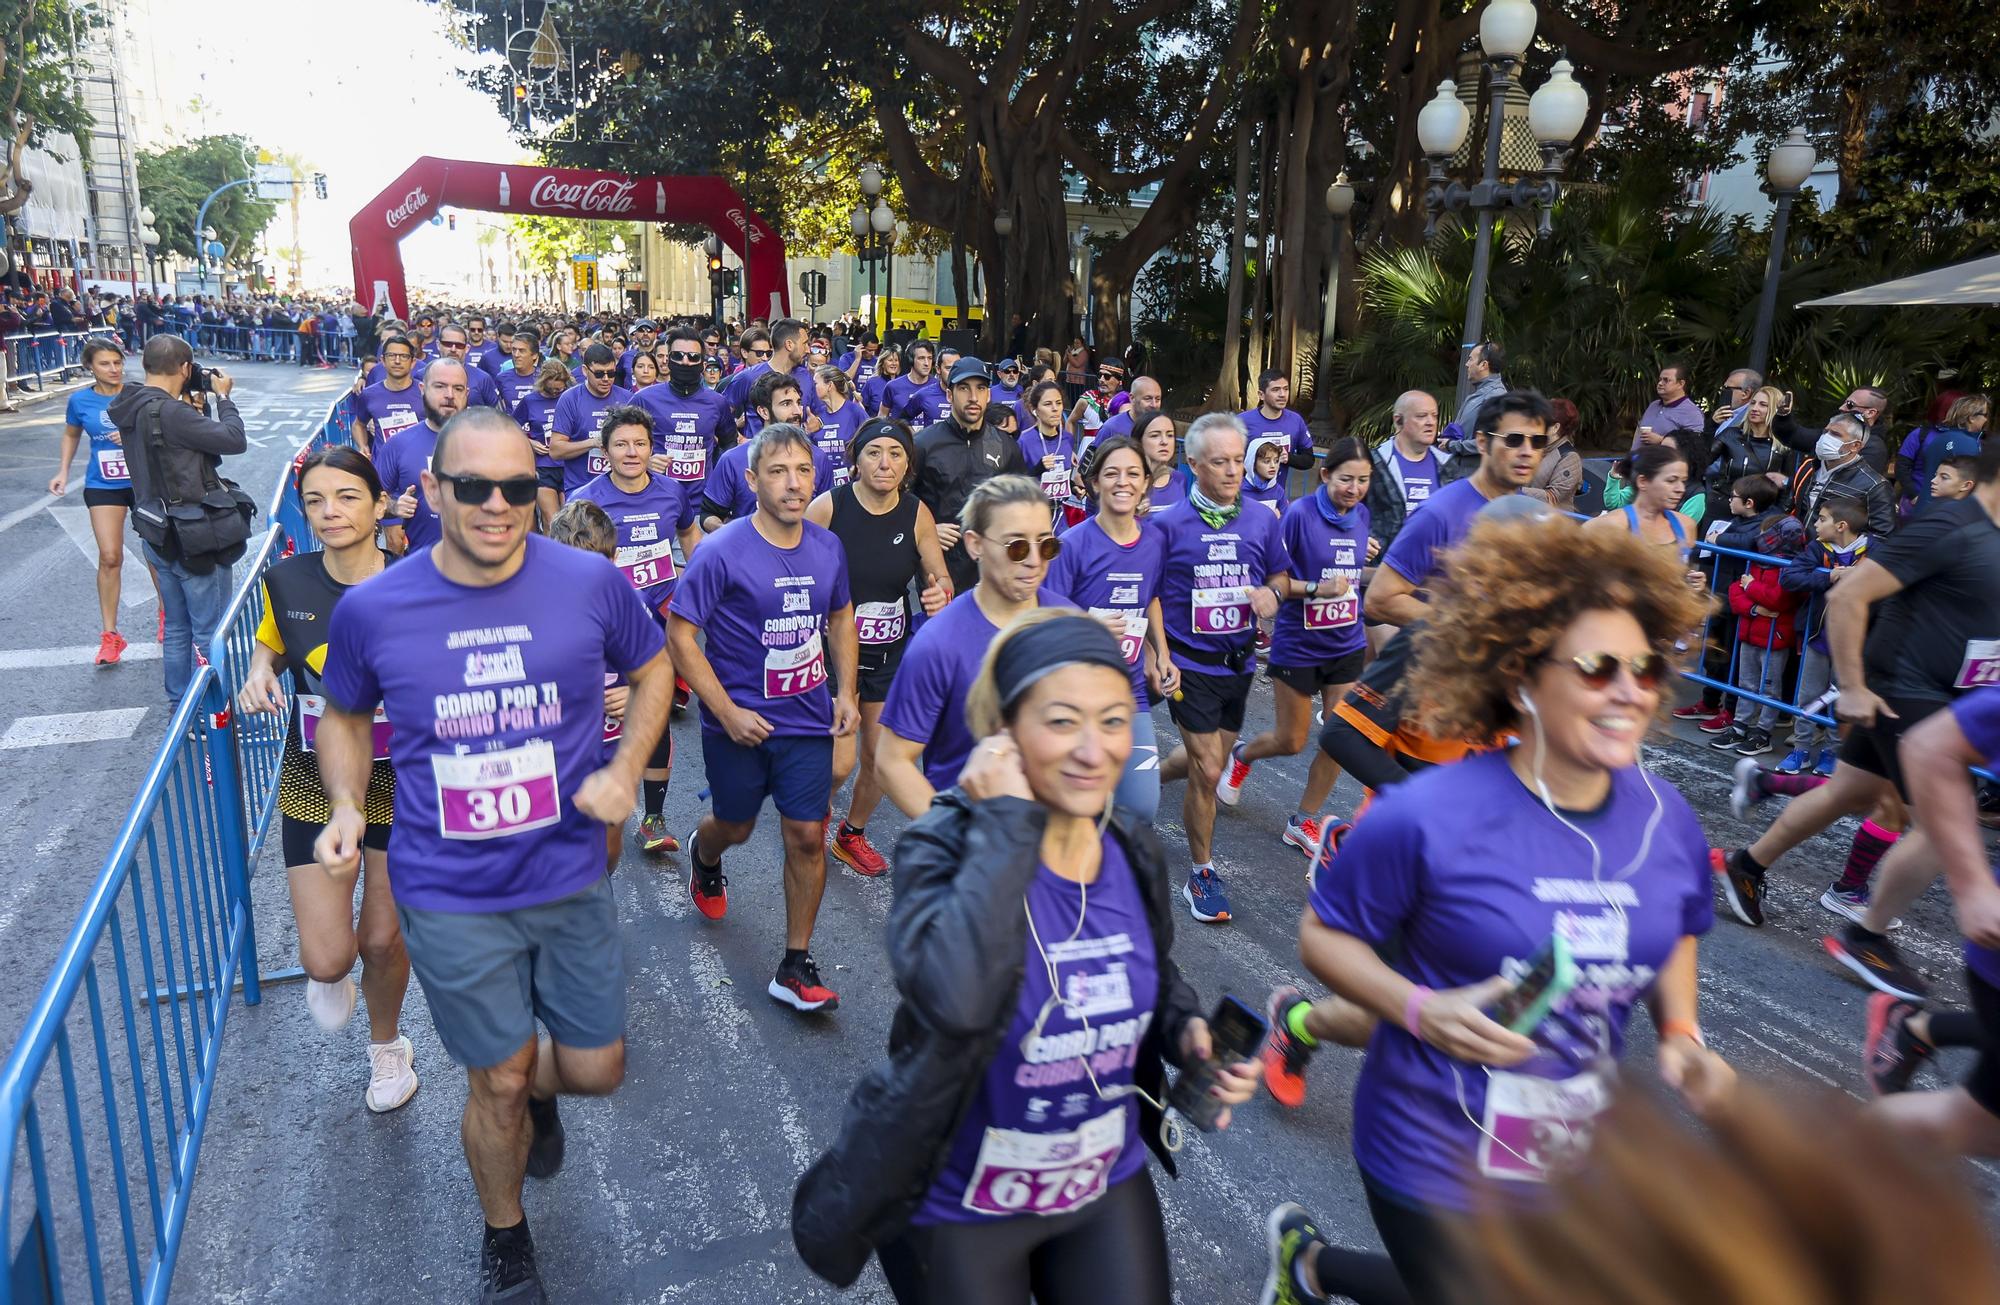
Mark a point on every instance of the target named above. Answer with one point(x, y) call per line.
point(105, 1095)
point(44, 356)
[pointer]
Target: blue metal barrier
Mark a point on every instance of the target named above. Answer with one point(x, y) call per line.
point(44, 355)
point(100, 1158)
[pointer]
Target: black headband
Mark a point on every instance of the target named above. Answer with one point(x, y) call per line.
point(880, 428)
point(1048, 646)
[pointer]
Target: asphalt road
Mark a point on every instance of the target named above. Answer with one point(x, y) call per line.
point(678, 1188)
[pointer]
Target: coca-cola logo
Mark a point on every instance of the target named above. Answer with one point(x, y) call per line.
point(751, 233)
point(582, 196)
point(413, 203)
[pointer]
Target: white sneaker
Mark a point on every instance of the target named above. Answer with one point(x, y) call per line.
point(392, 1077)
point(1229, 785)
point(331, 1004)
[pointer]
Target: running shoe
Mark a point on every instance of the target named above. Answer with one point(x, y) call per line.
point(1824, 766)
point(1795, 762)
point(1747, 789)
point(707, 885)
point(507, 1272)
point(1696, 710)
point(853, 850)
point(1290, 1235)
point(683, 695)
point(1851, 904)
point(1876, 962)
point(546, 1146)
point(1302, 833)
point(392, 1074)
point(653, 835)
point(1892, 1055)
point(1263, 641)
point(1284, 1055)
point(797, 985)
point(1205, 896)
point(1331, 836)
point(1229, 789)
point(110, 647)
point(1755, 743)
point(1742, 887)
point(1720, 723)
point(1727, 740)
point(331, 1004)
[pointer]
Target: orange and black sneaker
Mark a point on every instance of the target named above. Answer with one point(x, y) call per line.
point(1742, 885)
point(797, 985)
point(1875, 961)
point(1284, 1053)
point(653, 835)
point(707, 885)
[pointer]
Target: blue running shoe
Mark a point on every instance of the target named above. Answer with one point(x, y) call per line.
point(1795, 762)
point(1824, 766)
point(1206, 898)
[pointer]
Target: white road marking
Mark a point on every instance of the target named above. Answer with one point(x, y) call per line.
point(82, 654)
point(18, 515)
point(134, 585)
point(72, 727)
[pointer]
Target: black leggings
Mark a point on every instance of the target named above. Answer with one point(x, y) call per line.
point(1351, 749)
point(1420, 1269)
point(1115, 1249)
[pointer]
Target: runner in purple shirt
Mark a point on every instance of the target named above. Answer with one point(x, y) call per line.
point(489, 652)
point(760, 621)
point(579, 416)
point(1560, 847)
point(925, 713)
point(392, 403)
point(727, 493)
point(840, 418)
point(480, 391)
point(536, 411)
point(690, 421)
point(920, 360)
point(1272, 417)
point(412, 522)
point(888, 366)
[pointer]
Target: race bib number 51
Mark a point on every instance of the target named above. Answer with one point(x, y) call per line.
point(646, 565)
point(494, 794)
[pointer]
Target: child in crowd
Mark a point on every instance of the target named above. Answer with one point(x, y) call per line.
point(1764, 634)
point(1842, 541)
point(1264, 473)
point(1953, 480)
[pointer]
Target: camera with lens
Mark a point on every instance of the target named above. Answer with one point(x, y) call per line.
point(197, 381)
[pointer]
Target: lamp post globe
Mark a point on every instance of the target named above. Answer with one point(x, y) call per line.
point(1443, 122)
point(1340, 197)
point(1791, 161)
point(882, 218)
point(1557, 109)
point(871, 180)
point(1507, 28)
point(857, 222)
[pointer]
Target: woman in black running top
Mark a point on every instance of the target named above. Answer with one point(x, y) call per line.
point(343, 501)
point(890, 540)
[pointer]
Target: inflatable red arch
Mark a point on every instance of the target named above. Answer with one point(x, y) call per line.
point(376, 232)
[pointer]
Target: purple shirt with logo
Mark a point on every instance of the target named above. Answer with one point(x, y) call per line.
point(400, 463)
point(926, 701)
point(686, 428)
point(647, 523)
point(763, 615)
point(1420, 478)
point(1474, 876)
point(1103, 577)
point(1035, 446)
point(537, 414)
point(498, 698)
point(926, 404)
point(872, 390)
point(728, 484)
point(1209, 573)
point(514, 386)
point(1978, 714)
point(387, 411)
point(1322, 545)
point(836, 429)
point(1111, 984)
point(1287, 425)
point(1432, 531)
point(579, 415)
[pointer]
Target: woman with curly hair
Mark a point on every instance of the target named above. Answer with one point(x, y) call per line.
point(1536, 894)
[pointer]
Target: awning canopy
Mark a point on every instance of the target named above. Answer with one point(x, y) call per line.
point(1976, 282)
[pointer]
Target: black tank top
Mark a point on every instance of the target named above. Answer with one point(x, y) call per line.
point(881, 550)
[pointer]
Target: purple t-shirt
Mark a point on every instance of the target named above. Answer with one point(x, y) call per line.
point(1667, 418)
point(1271, 496)
point(926, 701)
point(1161, 497)
point(579, 416)
point(1433, 530)
point(1322, 545)
point(514, 386)
point(498, 698)
point(871, 392)
point(1106, 578)
point(400, 463)
point(1978, 714)
point(897, 393)
point(388, 411)
point(486, 356)
point(1474, 875)
point(728, 484)
point(1287, 425)
point(1207, 579)
point(737, 392)
point(537, 414)
point(1036, 1115)
point(763, 616)
point(1035, 446)
point(926, 405)
point(1420, 478)
point(836, 429)
point(647, 523)
point(686, 428)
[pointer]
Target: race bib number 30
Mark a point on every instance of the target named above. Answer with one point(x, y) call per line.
point(1045, 1173)
point(494, 794)
point(1331, 613)
point(789, 672)
point(1221, 611)
point(879, 623)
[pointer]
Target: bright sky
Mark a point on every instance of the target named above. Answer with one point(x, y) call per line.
point(358, 88)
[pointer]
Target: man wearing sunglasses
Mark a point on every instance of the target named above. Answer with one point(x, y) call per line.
point(688, 418)
point(480, 352)
point(480, 391)
point(1224, 570)
point(579, 415)
point(956, 453)
point(645, 337)
point(1094, 408)
point(1510, 449)
point(413, 520)
point(491, 653)
point(759, 619)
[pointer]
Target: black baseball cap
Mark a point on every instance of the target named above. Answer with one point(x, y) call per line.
point(969, 368)
point(1007, 365)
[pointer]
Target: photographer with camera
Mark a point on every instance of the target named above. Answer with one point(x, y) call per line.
point(194, 524)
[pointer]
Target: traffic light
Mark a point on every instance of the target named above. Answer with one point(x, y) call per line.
point(451, 221)
point(714, 264)
point(319, 184)
point(732, 281)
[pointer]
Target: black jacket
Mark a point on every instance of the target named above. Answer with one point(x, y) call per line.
point(957, 944)
point(1856, 480)
point(1734, 455)
point(191, 449)
point(950, 461)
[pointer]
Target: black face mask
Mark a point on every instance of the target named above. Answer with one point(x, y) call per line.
point(685, 378)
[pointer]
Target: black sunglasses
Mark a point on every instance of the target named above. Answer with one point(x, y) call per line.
point(518, 491)
point(1017, 549)
point(1514, 439)
point(602, 374)
point(681, 356)
point(1598, 668)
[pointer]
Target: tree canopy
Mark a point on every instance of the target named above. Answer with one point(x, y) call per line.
point(174, 181)
point(38, 90)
